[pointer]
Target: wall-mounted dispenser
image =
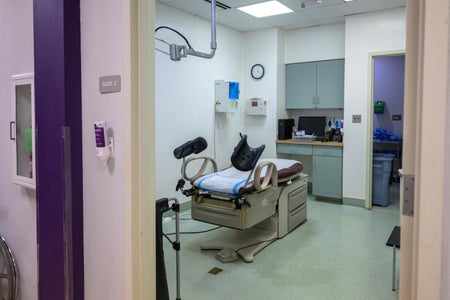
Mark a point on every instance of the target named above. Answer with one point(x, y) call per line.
point(378, 107)
point(226, 95)
point(104, 145)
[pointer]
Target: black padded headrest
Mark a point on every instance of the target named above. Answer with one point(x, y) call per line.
point(244, 157)
point(195, 146)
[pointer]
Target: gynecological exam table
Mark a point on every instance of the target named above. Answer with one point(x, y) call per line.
point(264, 199)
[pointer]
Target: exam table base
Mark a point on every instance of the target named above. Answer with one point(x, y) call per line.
point(288, 213)
point(206, 208)
point(255, 238)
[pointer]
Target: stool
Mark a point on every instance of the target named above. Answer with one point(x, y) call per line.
point(394, 242)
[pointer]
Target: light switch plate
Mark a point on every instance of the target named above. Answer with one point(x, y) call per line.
point(356, 119)
point(396, 117)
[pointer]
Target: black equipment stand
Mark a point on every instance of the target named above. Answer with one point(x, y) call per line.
point(162, 290)
point(394, 242)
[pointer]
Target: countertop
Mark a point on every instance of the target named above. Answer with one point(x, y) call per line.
point(315, 143)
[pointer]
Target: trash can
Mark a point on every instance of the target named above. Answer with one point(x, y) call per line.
point(381, 172)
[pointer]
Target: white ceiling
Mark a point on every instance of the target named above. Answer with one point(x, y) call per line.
point(313, 14)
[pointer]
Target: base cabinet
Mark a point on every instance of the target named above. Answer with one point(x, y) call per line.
point(327, 172)
point(327, 177)
point(326, 167)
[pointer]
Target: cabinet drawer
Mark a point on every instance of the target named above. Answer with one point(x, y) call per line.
point(327, 151)
point(297, 217)
point(295, 149)
point(297, 198)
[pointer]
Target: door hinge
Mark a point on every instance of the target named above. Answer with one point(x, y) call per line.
point(408, 195)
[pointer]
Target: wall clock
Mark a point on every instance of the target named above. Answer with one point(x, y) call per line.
point(257, 71)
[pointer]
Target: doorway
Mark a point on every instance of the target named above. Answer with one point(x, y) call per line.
point(386, 127)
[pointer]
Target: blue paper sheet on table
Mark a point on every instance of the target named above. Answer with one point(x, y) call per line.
point(380, 134)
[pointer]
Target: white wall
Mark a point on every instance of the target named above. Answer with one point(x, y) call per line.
point(185, 94)
point(104, 49)
point(364, 34)
point(17, 204)
point(315, 43)
point(264, 47)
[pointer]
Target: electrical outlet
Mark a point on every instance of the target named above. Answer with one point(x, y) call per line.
point(356, 119)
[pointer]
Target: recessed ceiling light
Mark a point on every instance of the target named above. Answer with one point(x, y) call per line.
point(348, 0)
point(265, 9)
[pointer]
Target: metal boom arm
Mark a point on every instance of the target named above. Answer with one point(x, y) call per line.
point(177, 51)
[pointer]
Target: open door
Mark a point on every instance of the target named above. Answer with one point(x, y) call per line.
point(387, 87)
point(422, 259)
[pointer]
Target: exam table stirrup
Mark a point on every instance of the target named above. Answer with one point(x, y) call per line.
point(245, 158)
point(194, 146)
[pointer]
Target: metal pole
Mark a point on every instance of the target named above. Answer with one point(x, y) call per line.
point(176, 209)
point(177, 225)
point(393, 268)
point(213, 24)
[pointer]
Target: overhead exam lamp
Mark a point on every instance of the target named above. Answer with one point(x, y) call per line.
point(179, 51)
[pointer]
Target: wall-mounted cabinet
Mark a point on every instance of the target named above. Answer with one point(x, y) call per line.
point(22, 130)
point(318, 84)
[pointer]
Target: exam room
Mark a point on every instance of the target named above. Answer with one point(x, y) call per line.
point(188, 111)
point(112, 208)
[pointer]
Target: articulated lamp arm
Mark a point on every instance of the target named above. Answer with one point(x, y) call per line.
point(177, 51)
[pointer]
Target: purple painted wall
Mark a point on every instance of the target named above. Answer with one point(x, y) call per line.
point(389, 79)
point(59, 178)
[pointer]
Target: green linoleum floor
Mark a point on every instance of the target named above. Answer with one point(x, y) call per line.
point(340, 253)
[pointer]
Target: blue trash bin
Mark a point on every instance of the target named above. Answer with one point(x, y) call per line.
point(381, 172)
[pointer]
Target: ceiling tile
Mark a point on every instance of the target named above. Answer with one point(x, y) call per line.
point(297, 17)
point(299, 25)
point(195, 7)
point(250, 25)
point(226, 16)
point(312, 14)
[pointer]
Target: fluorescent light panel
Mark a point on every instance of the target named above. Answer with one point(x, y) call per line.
point(265, 9)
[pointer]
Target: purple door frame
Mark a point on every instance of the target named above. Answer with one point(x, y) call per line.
point(59, 189)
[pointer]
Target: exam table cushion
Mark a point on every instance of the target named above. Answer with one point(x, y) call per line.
point(230, 180)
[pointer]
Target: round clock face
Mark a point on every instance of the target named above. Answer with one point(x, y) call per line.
point(257, 71)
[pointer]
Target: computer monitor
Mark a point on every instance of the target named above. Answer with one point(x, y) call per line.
point(312, 125)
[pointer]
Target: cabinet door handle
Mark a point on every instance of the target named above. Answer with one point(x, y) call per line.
point(11, 136)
